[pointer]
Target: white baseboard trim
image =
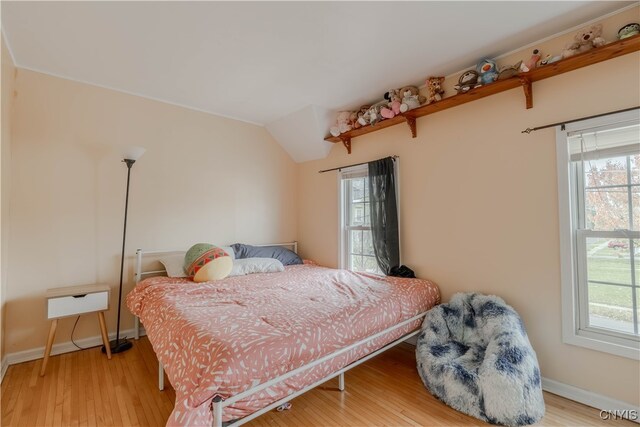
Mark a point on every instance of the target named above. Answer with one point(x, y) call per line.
point(4, 364)
point(592, 399)
point(60, 348)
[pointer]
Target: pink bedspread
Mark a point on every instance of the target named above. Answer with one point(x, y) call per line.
point(221, 338)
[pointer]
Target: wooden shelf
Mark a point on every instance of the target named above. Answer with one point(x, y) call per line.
point(524, 80)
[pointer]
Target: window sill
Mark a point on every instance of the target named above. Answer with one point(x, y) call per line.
point(599, 342)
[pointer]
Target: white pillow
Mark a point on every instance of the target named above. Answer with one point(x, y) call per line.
point(174, 264)
point(255, 265)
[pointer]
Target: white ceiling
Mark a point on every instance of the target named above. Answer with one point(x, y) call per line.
point(264, 62)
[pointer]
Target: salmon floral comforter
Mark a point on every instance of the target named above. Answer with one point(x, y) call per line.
point(221, 338)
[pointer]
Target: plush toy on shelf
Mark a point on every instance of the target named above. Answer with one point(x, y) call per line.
point(550, 59)
point(531, 63)
point(467, 81)
point(508, 71)
point(411, 98)
point(434, 89)
point(342, 123)
point(359, 113)
point(585, 40)
point(372, 115)
point(487, 71)
point(394, 101)
point(628, 30)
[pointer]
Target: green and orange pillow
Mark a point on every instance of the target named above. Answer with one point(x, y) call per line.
point(205, 262)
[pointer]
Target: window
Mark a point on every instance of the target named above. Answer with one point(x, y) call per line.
point(599, 194)
point(356, 241)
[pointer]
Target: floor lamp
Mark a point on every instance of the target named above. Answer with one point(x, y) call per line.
point(131, 154)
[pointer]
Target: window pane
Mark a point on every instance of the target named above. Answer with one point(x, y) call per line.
point(357, 214)
point(607, 209)
point(367, 243)
point(635, 195)
point(371, 265)
point(357, 190)
point(608, 260)
point(356, 262)
point(365, 183)
point(367, 213)
point(638, 308)
point(605, 172)
point(610, 307)
point(355, 243)
point(635, 169)
point(636, 259)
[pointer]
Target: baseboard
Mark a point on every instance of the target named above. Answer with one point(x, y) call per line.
point(60, 348)
point(589, 398)
point(4, 364)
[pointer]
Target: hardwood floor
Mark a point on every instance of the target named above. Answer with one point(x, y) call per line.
point(85, 389)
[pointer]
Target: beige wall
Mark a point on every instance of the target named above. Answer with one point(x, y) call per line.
point(479, 207)
point(7, 82)
point(203, 179)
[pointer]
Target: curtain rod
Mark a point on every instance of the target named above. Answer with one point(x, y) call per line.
point(349, 166)
point(529, 130)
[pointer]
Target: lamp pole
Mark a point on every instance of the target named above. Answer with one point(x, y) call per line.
point(116, 345)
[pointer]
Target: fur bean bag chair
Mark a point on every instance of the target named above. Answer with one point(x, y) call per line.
point(473, 354)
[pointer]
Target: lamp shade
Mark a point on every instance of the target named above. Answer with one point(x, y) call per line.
point(133, 152)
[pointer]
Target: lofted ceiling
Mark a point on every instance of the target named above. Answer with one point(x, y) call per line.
point(274, 63)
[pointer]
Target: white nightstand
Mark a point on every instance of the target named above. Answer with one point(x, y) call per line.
point(72, 301)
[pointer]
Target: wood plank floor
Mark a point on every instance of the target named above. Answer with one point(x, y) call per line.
point(85, 389)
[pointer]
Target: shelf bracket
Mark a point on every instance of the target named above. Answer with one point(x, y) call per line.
point(525, 81)
point(346, 141)
point(411, 121)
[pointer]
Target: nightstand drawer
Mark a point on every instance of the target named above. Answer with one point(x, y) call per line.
point(73, 305)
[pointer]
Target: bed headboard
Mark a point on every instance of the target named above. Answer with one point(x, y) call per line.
point(147, 263)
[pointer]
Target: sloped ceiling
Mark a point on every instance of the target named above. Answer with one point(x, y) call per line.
point(280, 64)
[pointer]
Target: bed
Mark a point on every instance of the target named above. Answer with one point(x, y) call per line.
point(238, 347)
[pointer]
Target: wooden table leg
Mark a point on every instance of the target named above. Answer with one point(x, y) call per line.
point(105, 336)
point(47, 350)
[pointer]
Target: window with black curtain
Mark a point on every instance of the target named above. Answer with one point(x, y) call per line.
point(359, 222)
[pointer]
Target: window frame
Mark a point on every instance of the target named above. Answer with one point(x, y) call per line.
point(575, 328)
point(343, 231)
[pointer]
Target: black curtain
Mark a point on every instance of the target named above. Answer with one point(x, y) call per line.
point(384, 213)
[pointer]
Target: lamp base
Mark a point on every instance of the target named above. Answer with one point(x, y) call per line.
point(118, 346)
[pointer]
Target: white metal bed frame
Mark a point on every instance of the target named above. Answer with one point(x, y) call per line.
point(218, 404)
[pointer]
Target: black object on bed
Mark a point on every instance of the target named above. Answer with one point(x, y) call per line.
point(284, 255)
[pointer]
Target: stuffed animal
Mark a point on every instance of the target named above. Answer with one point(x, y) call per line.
point(585, 40)
point(434, 89)
point(628, 30)
point(361, 112)
point(487, 71)
point(342, 123)
point(411, 98)
point(531, 63)
point(393, 107)
point(509, 71)
point(372, 115)
point(467, 81)
point(550, 59)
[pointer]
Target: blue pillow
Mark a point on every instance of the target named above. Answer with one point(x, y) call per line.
point(284, 255)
